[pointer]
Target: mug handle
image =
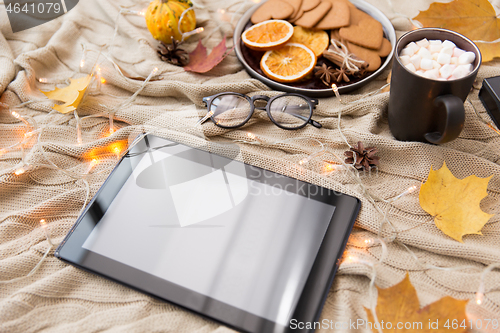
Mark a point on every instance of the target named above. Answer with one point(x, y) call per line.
point(455, 118)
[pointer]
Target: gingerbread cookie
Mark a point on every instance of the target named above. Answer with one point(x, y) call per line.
point(310, 18)
point(385, 49)
point(308, 5)
point(368, 33)
point(370, 56)
point(357, 15)
point(296, 17)
point(296, 4)
point(337, 17)
point(272, 9)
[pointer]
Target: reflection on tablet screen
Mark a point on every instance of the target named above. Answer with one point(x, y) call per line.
point(202, 225)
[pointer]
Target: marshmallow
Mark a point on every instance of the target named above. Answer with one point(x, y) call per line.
point(411, 68)
point(406, 52)
point(424, 53)
point(426, 64)
point(437, 60)
point(457, 52)
point(467, 58)
point(423, 42)
point(460, 71)
point(447, 50)
point(444, 58)
point(448, 44)
point(414, 46)
point(435, 47)
point(415, 60)
point(432, 74)
point(469, 67)
point(446, 71)
point(405, 60)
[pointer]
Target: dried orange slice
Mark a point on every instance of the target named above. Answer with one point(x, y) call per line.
point(267, 35)
point(290, 63)
point(316, 40)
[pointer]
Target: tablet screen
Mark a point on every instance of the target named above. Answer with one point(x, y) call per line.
point(221, 228)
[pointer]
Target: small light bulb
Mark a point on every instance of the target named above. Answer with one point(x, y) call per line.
point(92, 164)
point(479, 298)
point(43, 223)
point(103, 80)
point(82, 63)
point(303, 161)
point(336, 91)
point(43, 80)
point(15, 114)
point(412, 189)
point(20, 171)
point(251, 135)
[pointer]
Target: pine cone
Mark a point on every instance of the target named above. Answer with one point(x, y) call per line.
point(173, 54)
point(365, 157)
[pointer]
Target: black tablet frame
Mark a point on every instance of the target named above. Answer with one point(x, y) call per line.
point(312, 298)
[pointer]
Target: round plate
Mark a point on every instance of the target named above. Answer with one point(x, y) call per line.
point(320, 90)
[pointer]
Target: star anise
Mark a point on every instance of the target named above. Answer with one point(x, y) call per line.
point(173, 54)
point(362, 158)
point(325, 73)
point(340, 75)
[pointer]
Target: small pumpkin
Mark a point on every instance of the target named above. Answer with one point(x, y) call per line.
point(162, 19)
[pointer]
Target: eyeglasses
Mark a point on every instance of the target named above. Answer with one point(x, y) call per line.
point(288, 111)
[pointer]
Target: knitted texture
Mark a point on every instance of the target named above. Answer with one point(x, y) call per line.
point(61, 298)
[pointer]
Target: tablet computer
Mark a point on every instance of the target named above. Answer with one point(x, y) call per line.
point(250, 248)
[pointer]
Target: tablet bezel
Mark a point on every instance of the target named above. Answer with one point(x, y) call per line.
point(310, 303)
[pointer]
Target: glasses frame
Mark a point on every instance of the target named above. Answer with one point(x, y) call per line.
point(312, 102)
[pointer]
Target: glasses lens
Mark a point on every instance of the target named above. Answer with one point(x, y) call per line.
point(230, 110)
point(290, 111)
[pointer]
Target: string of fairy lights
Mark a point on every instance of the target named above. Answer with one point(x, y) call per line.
point(34, 133)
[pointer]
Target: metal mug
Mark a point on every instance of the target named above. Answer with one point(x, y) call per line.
point(428, 110)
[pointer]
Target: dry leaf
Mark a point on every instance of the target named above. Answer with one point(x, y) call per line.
point(399, 310)
point(475, 19)
point(454, 202)
point(71, 95)
point(199, 62)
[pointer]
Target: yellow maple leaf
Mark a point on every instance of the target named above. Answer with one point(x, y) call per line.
point(71, 95)
point(454, 202)
point(475, 19)
point(398, 310)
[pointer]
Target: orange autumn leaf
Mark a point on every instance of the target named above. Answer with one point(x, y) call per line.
point(398, 310)
point(454, 202)
point(475, 19)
